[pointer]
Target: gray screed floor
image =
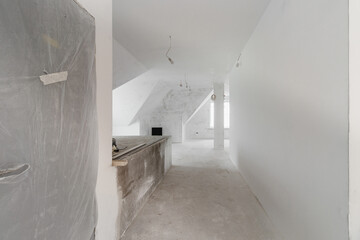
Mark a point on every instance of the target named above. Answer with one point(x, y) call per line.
point(202, 197)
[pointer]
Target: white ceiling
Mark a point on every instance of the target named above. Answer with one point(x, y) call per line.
point(208, 35)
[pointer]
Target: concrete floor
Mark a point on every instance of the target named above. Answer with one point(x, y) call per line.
point(201, 198)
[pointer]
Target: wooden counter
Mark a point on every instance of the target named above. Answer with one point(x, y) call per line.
point(139, 172)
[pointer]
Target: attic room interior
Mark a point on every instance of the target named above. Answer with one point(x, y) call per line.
point(229, 120)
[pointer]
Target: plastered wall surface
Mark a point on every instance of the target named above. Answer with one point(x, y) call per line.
point(354, 138)
point(172, 111)
point(48, 133)
point(199, 126)
point(106, 192)
point(128, 99)
point(289, 117)
point(153, 102)
point(127, 130)
point(170, 122)
point(219, 115)
point(126, 66)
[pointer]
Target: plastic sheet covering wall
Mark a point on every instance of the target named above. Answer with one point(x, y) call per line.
point(48, 133)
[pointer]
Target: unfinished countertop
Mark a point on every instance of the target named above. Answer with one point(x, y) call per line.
point(133, 145)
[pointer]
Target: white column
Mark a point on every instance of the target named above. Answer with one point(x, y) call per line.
point(106, 188)
point(354, 136)
point(219, 116)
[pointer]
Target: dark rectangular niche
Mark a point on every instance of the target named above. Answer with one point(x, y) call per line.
point(156, 131)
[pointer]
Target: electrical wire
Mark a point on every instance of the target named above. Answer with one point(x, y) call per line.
point(170, 60)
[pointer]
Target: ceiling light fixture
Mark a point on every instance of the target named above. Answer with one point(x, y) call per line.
point(238, 61)
point(170, 60)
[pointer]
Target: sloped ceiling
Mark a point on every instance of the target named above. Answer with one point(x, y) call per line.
point(125, 66)
point(208, 35)
point(129, 98)
point(166, 99)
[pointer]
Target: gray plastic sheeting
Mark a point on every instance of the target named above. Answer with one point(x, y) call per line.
point(48, 133)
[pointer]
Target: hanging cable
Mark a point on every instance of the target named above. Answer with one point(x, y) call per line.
point(170, 60)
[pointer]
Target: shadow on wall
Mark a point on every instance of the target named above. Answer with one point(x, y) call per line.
point(199, 127)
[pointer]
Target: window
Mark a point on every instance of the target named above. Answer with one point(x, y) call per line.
point(226, 115)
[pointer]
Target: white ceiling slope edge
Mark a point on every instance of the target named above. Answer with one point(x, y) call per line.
point(165, 99)
point(207, 35)
point(199, 107)
point(125, 66)
point(129, 98)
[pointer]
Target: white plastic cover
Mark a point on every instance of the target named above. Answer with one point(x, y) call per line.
point(48, 133)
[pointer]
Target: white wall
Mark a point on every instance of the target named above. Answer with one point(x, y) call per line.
point(106, 184)
point(170, 122)
point(199, 125)
point(170, 111)
point(354, 119)
point(126, 66)
point(289, 117)
point(127, 130)
point(128, 99)
point(219, 115)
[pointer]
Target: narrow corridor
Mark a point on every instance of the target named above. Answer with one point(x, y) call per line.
point(202, 197)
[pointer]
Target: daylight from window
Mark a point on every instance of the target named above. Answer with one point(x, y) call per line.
point(226, 115)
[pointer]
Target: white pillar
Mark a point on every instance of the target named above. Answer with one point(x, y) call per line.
point(354, 134)
point(106, 188)
point(219, 116)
